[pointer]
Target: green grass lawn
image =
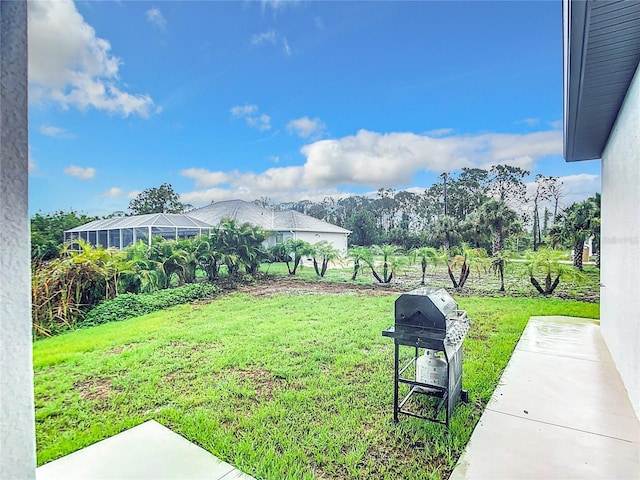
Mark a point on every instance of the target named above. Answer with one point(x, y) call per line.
point(281, 387)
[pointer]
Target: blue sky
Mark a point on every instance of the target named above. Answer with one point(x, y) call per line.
point(289, 100)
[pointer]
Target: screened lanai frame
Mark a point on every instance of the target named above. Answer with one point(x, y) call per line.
point(122, 232)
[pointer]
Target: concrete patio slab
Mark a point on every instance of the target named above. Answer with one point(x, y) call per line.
point(148, 451)
point(579, 394)
point(506, 447)
point(560, 411)
point(565, 336)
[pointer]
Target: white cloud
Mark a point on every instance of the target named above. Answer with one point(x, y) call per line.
point(285, 45)
point(579, 187)
point(155, 17)
point(112, 192)
point(262, 123)
point(71, 66)
point(439, 132)
point(240, 111)
point(375, 160)
point(205, 178)
point(133, 194)
point(278, 4)
point(556, 124)
point(55, 132)
point(269, 36)
point(306, 127)
point(251, 116)
point(531, 122)
point(80, 172)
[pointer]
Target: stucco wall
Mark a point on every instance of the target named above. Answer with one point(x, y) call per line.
point(338, 240)
point(620, 292)
point(273, 238)
point(17, 426)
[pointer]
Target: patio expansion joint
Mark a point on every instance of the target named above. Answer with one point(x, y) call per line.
point(560, 426)
point(562, 356)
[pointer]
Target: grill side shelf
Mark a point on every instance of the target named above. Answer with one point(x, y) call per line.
point(420, 338)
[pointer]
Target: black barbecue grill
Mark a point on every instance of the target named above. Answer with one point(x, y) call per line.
point(429, 318)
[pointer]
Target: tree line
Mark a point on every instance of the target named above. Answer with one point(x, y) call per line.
point(485, 209)
point(488, 209)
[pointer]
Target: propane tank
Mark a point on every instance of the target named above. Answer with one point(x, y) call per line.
point(431, 369)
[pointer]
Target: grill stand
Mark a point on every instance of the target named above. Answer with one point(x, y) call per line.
point(449, 394)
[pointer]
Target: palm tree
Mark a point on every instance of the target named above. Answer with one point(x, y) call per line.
point(466, 260)
point(547, 263)
point(227, 239)
point(444, 231)
point(171, 258)
point(251, 248)
point(474, 231)
point(390, 262)
point(325, 252)
point(427, 256)
point(189, 258)
point(237, 247)
point(501, 219)
point(147, 274)
point(207, 257)
point(557, 237)
point(278, 253)
point(499, 261)
point(577, 223)
point(295, 249)
point(359, 255)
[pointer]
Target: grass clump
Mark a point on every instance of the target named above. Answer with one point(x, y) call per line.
point(129, 305)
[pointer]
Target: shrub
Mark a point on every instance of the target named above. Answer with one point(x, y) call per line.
point(65, 288)
point(129, 305)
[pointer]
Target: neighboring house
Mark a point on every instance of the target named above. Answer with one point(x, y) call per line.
point(281, 225)
point(120, 232)
point(602, 120)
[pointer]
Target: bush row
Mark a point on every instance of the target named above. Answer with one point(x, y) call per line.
point(128, 305)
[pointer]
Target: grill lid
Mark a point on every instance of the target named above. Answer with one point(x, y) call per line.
point(426, 308)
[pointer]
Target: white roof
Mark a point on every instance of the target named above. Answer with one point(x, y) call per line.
point(246, 212)
point(153, 219)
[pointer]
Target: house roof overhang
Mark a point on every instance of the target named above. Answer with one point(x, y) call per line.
point(601, 55)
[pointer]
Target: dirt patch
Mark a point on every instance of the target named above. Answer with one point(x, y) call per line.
point(119, 350)
point(172, 376)
point(261, 380)
point(95, 389)
point(483, 284)
point(293, 286)
point(360, 374)
point(183, 357)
